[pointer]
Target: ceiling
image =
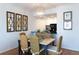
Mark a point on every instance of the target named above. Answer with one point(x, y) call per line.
point(46, 16)
point(39, 7)
point(33, 7)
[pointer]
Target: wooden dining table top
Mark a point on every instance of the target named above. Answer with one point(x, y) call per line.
point(46, 41)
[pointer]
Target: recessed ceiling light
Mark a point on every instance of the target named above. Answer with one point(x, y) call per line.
point(40, 13)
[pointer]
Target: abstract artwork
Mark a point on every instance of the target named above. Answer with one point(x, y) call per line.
point(25, 23)
point(18, 22)
point(10, 21)
point(67, 25)
point(67, 17)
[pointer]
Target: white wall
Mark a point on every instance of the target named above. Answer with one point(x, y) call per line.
point(50, 11)
point(51, 21)
point(41, 23)
point(70, 37)
point(9, 40)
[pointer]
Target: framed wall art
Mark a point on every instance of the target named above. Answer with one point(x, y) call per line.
point(25, 23)
point(67, 20)
point(67, 15)
point(18, 22)
point(10, 21)
point(67, 25)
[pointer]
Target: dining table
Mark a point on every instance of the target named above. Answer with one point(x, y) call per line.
point(43, 42)
point(46, 42)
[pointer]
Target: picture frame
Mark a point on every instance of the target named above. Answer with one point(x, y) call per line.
point(67, 15)
point(48, 27)
point(67, 25)
point(24, 23)
point(10, 16)
point(18, 22)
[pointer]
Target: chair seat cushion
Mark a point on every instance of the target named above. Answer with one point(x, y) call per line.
point(52, 48)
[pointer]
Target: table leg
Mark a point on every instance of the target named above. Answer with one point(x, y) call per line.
point(45, 47)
